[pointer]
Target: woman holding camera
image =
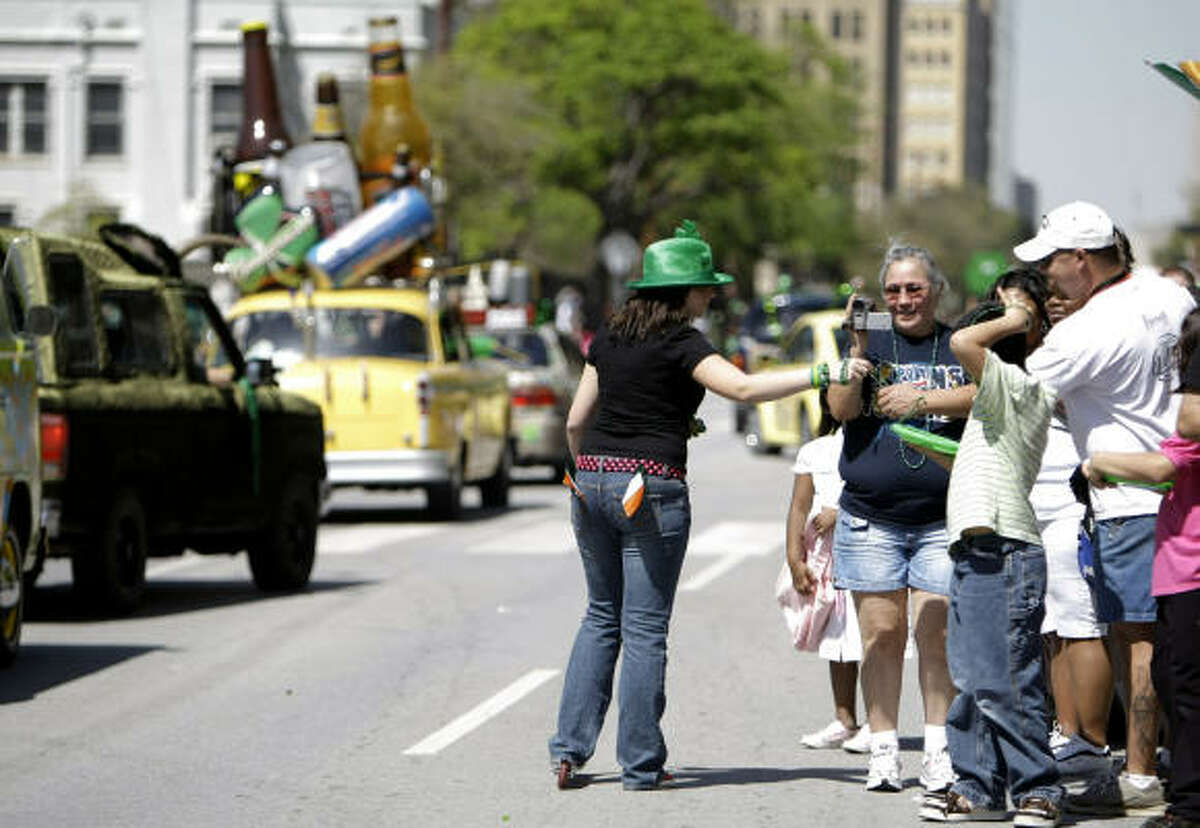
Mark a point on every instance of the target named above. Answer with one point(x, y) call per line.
point(890, 541)
point(633, 412)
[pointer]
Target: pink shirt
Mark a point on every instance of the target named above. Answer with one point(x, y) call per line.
point(1177, 535)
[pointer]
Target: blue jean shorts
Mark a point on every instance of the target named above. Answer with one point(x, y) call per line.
point(869, 556)
point(1124, 561)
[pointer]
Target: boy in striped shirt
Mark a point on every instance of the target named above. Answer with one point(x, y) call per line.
point(996, 727)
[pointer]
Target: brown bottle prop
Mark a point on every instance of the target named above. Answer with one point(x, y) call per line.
point(262, 122)
point(391, 117)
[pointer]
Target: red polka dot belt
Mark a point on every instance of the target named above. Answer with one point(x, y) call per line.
point(598, 463)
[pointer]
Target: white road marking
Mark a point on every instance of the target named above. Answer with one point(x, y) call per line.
point(733, 541)
point(188, 558)
point(475, 717)
point(359, 540)
point(546, 537)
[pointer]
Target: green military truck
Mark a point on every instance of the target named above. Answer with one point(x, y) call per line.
point(156, 436)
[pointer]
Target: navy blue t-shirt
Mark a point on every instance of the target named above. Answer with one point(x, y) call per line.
point(647, 395)
point(880, 483)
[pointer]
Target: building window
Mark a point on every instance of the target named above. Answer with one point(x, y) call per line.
point(8, 215)
point(104, 130)
point(806, 16)
point(945, 58)
point(22, 117)
point(945, 24)
point(224, 114)
point(835, 25)
point(856, 26)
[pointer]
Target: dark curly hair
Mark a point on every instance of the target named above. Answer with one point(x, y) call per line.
point(649, 312)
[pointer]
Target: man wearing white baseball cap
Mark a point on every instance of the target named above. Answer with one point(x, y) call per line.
point(1112, 365)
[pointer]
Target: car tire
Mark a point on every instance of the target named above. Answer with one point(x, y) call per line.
point(282, 556)
point(111, 575)
point(754, 436)
point(12, 597)
point(444, 500)
point(493, 492)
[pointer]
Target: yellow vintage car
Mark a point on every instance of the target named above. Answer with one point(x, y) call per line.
point(405, 405)
point(814, 337)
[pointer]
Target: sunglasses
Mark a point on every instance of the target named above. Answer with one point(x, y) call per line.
point(911, 290)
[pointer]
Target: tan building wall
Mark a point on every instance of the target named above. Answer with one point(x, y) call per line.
point(923, 66)
point(860, 31)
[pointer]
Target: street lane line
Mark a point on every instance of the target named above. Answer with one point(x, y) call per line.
point(713, 571)
point(745, 537)
point(475, 717)
point(545, 537)
point(187, 559)
point(732, 541)
point(553, 536)
point(360, 540)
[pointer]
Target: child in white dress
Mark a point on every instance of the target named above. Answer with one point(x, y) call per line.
point(815, 492)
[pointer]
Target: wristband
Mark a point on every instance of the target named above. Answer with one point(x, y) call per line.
point(823, 370)
point(844, 373)
point(812, 376)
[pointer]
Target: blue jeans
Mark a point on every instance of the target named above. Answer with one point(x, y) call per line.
point(632, 567)
point(996, 727)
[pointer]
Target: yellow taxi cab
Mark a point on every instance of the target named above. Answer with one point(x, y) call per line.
point(813, 337)
point(405, 404)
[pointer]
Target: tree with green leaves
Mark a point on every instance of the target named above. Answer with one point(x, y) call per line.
point(565, 121)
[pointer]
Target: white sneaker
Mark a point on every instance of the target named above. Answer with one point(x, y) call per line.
point(860, 742)
point(832, 735)
point(937, 772)
point(1058, 739)
point(883, 771)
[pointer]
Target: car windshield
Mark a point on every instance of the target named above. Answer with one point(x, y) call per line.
point(336, 332)
point(524, 348)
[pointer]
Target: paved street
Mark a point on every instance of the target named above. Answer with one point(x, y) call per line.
point(416, 682)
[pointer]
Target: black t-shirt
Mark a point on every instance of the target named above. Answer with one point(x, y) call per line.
point(880, 481)
point(647, 395)
point(1189, 377)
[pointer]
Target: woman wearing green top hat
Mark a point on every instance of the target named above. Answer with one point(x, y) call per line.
point(647, 370)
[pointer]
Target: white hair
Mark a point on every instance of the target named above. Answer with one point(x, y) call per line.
point(900, 251)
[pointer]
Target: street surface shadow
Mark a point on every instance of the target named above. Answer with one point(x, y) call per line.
point(58, 603)
point(417, 514)
point(697, 777)
point(40, 667)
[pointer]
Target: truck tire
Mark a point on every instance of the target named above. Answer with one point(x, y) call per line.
point(444, 500)
point(111, 575)
point(494, 491)
point(282, 556)
point(12, 596)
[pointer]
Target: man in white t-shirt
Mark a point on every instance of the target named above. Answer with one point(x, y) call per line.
point(1112, 365)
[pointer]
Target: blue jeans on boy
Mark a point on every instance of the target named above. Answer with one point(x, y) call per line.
point(632, 567)
point(996, 727)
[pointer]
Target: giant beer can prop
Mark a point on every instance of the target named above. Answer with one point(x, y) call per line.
point(375, 236)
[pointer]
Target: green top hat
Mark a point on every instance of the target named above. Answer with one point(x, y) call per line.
point(684, 261)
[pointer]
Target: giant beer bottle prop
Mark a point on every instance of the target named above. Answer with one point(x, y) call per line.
point(262, 122)
point(391, 117)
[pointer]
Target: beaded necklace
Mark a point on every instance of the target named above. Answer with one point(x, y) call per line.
point(928, 419)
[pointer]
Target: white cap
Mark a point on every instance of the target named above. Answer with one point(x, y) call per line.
point(1071, 226)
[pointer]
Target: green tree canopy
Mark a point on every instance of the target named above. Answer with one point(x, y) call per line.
point(568, 120)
